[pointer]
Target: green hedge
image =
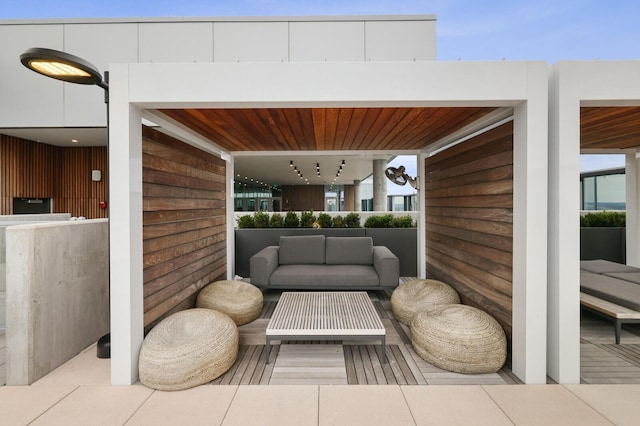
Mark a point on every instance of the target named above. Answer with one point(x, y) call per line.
point(351, 220)
point(603, 219)
point(389, 221)
point(291, 220)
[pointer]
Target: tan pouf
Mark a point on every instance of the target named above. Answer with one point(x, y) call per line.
point(459, 338)
point(187, 349)
point(240, 300)
point(418, 295)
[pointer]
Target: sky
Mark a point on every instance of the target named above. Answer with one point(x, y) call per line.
point(470, 30)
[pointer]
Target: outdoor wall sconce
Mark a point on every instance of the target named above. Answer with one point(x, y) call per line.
point(399, 177)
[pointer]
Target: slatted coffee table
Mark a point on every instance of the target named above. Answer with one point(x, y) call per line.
point(329, 315)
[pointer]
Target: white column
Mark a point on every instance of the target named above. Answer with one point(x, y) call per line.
point(231, 257)
point(356, 196)
point(379, 186)
point(563, 316)
point(632, 168)
point(530, 231)
point(125, 229)
point(422, 221)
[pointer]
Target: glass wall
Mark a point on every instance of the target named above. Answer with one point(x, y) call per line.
point(333, 198)
point(402, 203)
point(251, 198)
point(603, 190)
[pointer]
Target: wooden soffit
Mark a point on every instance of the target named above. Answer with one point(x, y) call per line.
point(609, 128)
point(324, 129)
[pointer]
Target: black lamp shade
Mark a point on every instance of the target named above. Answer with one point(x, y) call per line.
point(61, 66)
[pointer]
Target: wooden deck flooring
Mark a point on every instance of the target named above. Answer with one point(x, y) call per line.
point(341, 362)
point(360, 363)
point(601, 360)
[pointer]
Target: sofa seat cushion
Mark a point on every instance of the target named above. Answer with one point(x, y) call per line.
point(349, 251)
point(325, 275)
point(632, 277)
point(620, 292)
point(301, 250)
point(600, 266)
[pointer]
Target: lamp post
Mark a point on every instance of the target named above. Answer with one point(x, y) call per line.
point(71, 69)
point(62, 66)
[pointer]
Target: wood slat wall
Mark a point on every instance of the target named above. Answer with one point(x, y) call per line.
point(469, 215)
point(303, 197)
point(184, 223)
point(350, 198)
point(30, 169)
point(76, 192)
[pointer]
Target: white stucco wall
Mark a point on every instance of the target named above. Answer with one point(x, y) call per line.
point(57, 294)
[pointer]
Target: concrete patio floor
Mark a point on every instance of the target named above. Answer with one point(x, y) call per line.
point(79, 393)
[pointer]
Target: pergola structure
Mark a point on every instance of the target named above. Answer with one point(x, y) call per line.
point(593, 107)
point(186, 98)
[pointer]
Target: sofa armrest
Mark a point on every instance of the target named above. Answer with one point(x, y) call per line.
point(387, 265)
point(262, 265)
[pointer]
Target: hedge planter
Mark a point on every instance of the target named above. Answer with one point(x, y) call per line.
point(606, 243)
point(403, 242)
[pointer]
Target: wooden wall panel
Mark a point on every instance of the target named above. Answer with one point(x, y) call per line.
point(76, 192)
point(31, 169)
point(469, 221)
point(303, 197)
point(319, 129)
point(184, 224)
point(350, 198)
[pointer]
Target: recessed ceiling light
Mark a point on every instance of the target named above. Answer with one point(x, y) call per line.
point(74, 140)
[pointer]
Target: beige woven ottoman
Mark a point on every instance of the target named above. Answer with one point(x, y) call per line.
point(459, 338)
point(418, 295)
point(187, 349)
point(240, 300)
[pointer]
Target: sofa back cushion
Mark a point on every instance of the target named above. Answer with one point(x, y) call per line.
point(349, 251)
point(301, 250)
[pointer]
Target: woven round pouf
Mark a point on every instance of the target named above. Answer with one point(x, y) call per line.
point(459, 338)
point(187, 349)
point(240, 300)
point(419, 295)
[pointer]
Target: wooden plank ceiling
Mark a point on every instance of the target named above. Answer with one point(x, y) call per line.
point(609, 128)
point(322, 129)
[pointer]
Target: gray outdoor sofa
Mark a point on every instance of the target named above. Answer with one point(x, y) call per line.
point(316, 262)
